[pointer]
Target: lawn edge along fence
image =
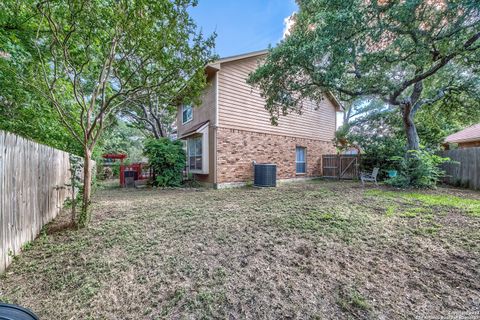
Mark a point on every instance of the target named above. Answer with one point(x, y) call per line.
point(33, 189)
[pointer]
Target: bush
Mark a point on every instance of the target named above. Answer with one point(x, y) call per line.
point(378, 148)
point(167, 159)
point(379, 153)
point(116, 169)
point(418, 169)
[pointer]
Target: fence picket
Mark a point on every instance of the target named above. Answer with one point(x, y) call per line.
point(466, 172)
point(30, 175)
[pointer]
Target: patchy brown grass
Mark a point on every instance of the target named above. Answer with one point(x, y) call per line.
point(325, 250)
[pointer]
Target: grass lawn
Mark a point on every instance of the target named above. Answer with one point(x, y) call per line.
point(319, 250)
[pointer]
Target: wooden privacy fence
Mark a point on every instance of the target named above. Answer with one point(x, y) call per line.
point(340, 166)
point(32, 191)
point(466, 171)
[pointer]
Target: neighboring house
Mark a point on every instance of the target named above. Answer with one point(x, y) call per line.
point(231, 129)
point(467, 138)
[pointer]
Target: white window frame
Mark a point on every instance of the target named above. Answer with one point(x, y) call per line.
point(184, 108)
point(203, 134)
point(194, 154)
point(304, 162)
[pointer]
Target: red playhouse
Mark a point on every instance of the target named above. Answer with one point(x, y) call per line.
point(130, 174)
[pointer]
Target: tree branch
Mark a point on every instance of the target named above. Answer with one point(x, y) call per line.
point(422, 76)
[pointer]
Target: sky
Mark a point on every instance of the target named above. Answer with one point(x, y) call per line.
point(243, 25)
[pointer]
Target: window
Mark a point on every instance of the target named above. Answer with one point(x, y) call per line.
point(194, 147)
point(301, 160)
point(187, 114)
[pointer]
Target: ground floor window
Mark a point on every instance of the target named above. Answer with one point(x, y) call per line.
point(194, 150)
point(301, 160)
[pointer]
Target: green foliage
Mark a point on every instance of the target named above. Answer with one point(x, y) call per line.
point(116, 169)
point(350, 300)
point(88, 59)
point(27, 246)
point(84, 216)
point(167, 159)
point(110, 55)
point(341, 137)
point(380, 134)
point(470, 206)
point(156, 117)
point(379, 154)
point(24, 108)
point(418, 169)
point(123, 138)
point(446, 117)
point(379, 138)
point(407, 54)
point(35, 120)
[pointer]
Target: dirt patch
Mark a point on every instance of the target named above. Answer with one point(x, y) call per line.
point(325, 250)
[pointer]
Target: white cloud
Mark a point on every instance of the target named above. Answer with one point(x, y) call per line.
point(288, 23)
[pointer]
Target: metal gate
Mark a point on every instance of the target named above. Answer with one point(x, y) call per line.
point(340, 166)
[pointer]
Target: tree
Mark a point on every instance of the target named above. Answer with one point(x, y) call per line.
point(32, 117)
point(156, 113)
point(107, 54)
point(410, 54)
point(153, 116)
point(122, 137)
point(434, 123)
point(24, 109)
point(359, 107)
point(380, 135)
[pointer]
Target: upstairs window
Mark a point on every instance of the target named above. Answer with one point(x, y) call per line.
point(194, 149)
point(187, 114)
point(301, 161)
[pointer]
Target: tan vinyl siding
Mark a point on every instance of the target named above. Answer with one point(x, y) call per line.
point(202, 113)
point(241, 107)
point(206, 111)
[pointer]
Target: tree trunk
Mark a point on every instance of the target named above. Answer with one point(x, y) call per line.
point(87, 184)
point(347, 114)
point(74, 203)
point(410, 128)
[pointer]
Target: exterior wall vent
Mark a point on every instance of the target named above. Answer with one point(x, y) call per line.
point(265, 175)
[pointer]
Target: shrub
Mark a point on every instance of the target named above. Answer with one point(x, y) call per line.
point(167, 159)
point(116, 169)
point(377, 149)
point(379, 153)
point(418, 169)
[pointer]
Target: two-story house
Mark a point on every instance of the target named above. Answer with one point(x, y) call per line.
point(231, 129)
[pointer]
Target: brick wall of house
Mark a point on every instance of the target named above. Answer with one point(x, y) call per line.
point(237, 149)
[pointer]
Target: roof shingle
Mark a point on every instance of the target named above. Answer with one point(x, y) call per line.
point(466, 135)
